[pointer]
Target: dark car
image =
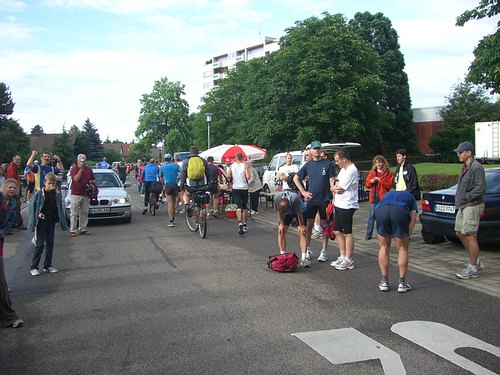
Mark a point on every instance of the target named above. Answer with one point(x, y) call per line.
point(438, 212)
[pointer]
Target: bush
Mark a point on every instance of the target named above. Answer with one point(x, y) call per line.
point(429, 182)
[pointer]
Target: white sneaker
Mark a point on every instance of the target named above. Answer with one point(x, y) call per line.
point(316, 234)
point(306, 263)
point(346, 264)
point(309, 254)
point(51, 270)
point(35, 272)
point(171, 223)
point(323, 257)
point(254, 212)
point(336, 262)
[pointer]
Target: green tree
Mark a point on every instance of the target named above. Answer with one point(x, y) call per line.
point(88, 142)
point(13, 138)
point(37, 130)
point(378, 31)
point(62, 147)
point(485, 69)
point(162, 111)
point(466, 105)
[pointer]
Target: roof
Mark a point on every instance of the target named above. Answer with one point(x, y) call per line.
point(44, 141)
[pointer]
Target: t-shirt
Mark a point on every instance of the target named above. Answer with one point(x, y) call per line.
point(287, 169)
point(40, 177)
point(319, 173)
point(78, 187)
point(170, 173)
point(213, 174)
point(348, 180)
point(239, 177)
point(296, 204)
point(150, 173)
point(103, 165)
point(399, 198)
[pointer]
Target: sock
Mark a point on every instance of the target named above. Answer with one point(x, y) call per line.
point(473, 267)
point(402, 280)
point(317, 227)
point(323, 250)
point(385, 279)
point(282, 252)
point(303, 256)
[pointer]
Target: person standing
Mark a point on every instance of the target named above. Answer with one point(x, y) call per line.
point(290, 206)
point(379, 181)
point(150, 174)
point(214, 178)
point(396, 216)
point(41, 169)
point(170, 176)
point(13, 172)
point(320, 175)
point(470, 205)
point(346, 204)
point(285, 170)
point(45, 211)
point(103, 164)
point(122, 172)
point(8, 316)
point(81, 174)
point(239, 174)
point(405, 175)
point(254, 188)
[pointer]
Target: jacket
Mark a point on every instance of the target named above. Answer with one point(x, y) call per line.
point(383, 186)
point(10, 215)
point(36, 204)
point(411, 180)
point(254, 183)
point(471, 186)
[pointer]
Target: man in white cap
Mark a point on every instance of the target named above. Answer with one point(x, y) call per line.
point(469, 204)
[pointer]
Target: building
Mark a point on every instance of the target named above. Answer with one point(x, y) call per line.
point(217, 67)
point(43, 142)
point(427, 122)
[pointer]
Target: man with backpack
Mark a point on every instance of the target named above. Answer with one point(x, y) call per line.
point(193, 173)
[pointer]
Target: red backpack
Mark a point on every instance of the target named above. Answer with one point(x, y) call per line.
point(283, 262)
point(329, 223)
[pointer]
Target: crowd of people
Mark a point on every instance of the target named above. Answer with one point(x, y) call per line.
point(306, 193)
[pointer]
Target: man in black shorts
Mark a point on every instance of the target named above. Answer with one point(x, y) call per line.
point(396, 215)
point(290, 206)
point(214, 176)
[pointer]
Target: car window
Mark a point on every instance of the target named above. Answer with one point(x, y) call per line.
point(282, 161)
point(492, 183)
point(106, 180)
point(272, 165)
point(297, 159)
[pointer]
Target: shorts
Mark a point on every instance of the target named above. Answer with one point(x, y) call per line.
point(288, 219)
point(343, 220)
point(393, 221)
point(171, 189)
point(31, 187)
point(312, 207)
point(213, 189)
point(467, 220)
point(240, 198)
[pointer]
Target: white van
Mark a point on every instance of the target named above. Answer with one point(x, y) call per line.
point(271, 180)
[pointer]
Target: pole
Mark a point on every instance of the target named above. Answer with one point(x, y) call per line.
point(208, 122)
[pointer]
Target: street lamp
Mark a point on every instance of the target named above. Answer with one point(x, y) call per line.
point(209, 119)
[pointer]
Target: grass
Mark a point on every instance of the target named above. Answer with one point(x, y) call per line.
point(443, 168)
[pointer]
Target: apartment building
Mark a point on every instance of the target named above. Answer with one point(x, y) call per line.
point(216, 68)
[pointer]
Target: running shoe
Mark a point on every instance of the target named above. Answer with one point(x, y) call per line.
point(346, 264)
point(383, 286)
point(323, 257)
point(404, 287)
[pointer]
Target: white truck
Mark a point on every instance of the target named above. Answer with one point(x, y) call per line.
point(487, 141)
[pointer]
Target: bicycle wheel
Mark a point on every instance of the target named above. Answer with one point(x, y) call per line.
point(190, 217)
point(202, 222)
point(152, 203)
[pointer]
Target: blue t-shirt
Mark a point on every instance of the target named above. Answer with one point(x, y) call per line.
point(170, 173)
point(399, 198)
point(150, 173)
point(319, 173)
point(103, 165)
point(296, 204)
point(40, 177)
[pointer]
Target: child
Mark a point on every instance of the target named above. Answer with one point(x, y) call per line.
point(45, 210)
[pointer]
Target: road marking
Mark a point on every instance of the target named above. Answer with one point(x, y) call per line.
point(443, 341)
point(348, 345)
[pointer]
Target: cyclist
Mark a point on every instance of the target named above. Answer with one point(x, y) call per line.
point(169, 176)
point(188, 169)
point(150, 174)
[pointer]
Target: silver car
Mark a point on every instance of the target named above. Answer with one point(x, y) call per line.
point(113, 201)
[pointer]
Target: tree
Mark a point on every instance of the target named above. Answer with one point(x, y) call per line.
point(62, 147)
point(467, 104)
point(37, 130)
point(378, 31)
point(88, 142)
point(14, 140)
point(485, 69)
point(164, 110)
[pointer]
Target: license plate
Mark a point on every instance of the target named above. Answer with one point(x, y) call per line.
point(100, 210)
point(444, 208)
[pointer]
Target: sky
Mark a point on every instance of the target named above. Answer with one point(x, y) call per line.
point(68, 60)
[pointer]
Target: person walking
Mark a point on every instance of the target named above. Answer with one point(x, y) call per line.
point(81, 174)
point(254, 188)
point(346, 204)
point(169, 175)
point(379, 181)
point(320, 175)
point(45, 211)
point(396, 215)
point(405, 175)
point(290, 206)
point(470, 205)
point(8, 316)
point(239, 174)
point(13, 172)
point(150, 174)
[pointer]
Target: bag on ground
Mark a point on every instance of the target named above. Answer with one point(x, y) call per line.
point(196, 168)
point(283, 262)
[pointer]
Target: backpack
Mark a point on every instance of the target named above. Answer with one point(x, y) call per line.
point(290, 182)
point(283, 262)
point(196, 168)
point(330, 222)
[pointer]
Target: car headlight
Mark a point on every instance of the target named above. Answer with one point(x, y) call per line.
point(120, 200)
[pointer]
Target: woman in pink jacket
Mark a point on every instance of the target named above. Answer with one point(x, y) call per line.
point(379, 181)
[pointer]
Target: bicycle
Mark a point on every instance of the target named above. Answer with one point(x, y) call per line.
point(153, 199)
point(196, 212)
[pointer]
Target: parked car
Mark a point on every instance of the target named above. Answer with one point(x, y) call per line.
point(438, 212)
point(113, 201)
point(271, 180)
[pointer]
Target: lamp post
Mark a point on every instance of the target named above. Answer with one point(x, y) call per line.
point(209, 119)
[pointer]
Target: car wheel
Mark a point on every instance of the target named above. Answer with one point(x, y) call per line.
point(432, 238)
